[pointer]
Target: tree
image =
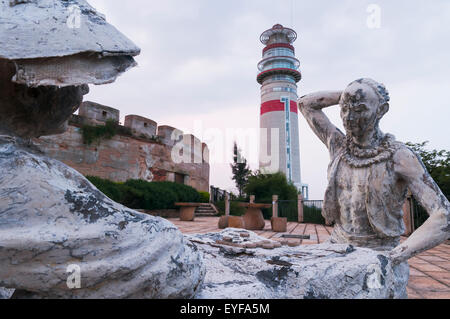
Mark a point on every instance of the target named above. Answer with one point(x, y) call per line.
point(437, 164)
point(263, 186)
point(240, 169)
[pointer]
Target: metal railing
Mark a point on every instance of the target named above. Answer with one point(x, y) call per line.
point(313, 203)
point(288, 209)
point(418, 213)
point(217, 194)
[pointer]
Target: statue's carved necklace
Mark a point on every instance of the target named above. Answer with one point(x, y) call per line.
point(361, 157)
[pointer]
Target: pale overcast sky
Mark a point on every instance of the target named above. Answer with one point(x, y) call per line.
point(199, 57)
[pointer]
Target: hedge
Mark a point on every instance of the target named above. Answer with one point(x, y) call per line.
point(139, 194)
point(204, 197)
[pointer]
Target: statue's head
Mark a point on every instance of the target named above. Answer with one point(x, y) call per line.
point(363, 103)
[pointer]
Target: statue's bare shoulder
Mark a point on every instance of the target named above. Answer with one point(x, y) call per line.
point(407, 163)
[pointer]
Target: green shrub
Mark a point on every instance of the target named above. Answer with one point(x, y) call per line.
point(139, 194)
point(148, 195)
point(93, 133)
point(263, 186)
point(109, 188)
point(204, 197)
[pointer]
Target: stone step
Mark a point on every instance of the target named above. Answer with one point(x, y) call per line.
point(205, 209)
point(205, 215)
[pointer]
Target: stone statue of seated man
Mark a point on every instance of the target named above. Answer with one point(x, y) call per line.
point(370, 173)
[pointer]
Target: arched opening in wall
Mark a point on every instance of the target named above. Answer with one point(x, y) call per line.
point(179, 178)
point(104, 113)
point(145, 124)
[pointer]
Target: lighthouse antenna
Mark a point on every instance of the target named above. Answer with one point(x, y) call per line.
point(292, 14)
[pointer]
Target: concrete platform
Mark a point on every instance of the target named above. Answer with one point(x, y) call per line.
point(429, 271)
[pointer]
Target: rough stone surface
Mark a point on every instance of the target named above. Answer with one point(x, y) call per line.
point(370, 172)
point(309, 272)
point(6, 293)
point(59, 236)
point(52, 217)
point(45, 38)
point(43, 26)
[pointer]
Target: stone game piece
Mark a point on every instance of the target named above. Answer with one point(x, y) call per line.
point(292, 243)
point(276, 244)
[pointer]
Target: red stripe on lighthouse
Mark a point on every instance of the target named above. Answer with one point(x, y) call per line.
point(277, 105)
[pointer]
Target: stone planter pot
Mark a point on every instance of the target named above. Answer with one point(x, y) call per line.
point(279, 224)
point(254, 219)
point(187, 213)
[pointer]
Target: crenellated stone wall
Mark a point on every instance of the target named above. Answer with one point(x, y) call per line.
point(140, 150)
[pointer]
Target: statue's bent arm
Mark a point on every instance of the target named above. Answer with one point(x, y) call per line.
point(436, 228)
point(311, 106)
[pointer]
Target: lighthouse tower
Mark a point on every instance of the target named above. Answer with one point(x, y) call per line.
point(278, 75)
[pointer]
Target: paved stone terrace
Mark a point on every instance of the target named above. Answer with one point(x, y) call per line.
point(429, 271)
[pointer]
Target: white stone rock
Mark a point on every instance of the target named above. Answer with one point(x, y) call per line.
point(6, 293)
point(45, 38)
point(53, 220)
point(43, 28)
point(312, 271)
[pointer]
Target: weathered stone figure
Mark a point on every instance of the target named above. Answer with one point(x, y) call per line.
point(370, 173)
point(59, 236)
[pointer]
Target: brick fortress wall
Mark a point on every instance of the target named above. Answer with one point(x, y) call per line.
point(140, 150)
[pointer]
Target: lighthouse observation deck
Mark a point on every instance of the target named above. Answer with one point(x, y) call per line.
point(278, 55)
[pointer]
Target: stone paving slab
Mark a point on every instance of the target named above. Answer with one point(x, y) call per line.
point(429, 271)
